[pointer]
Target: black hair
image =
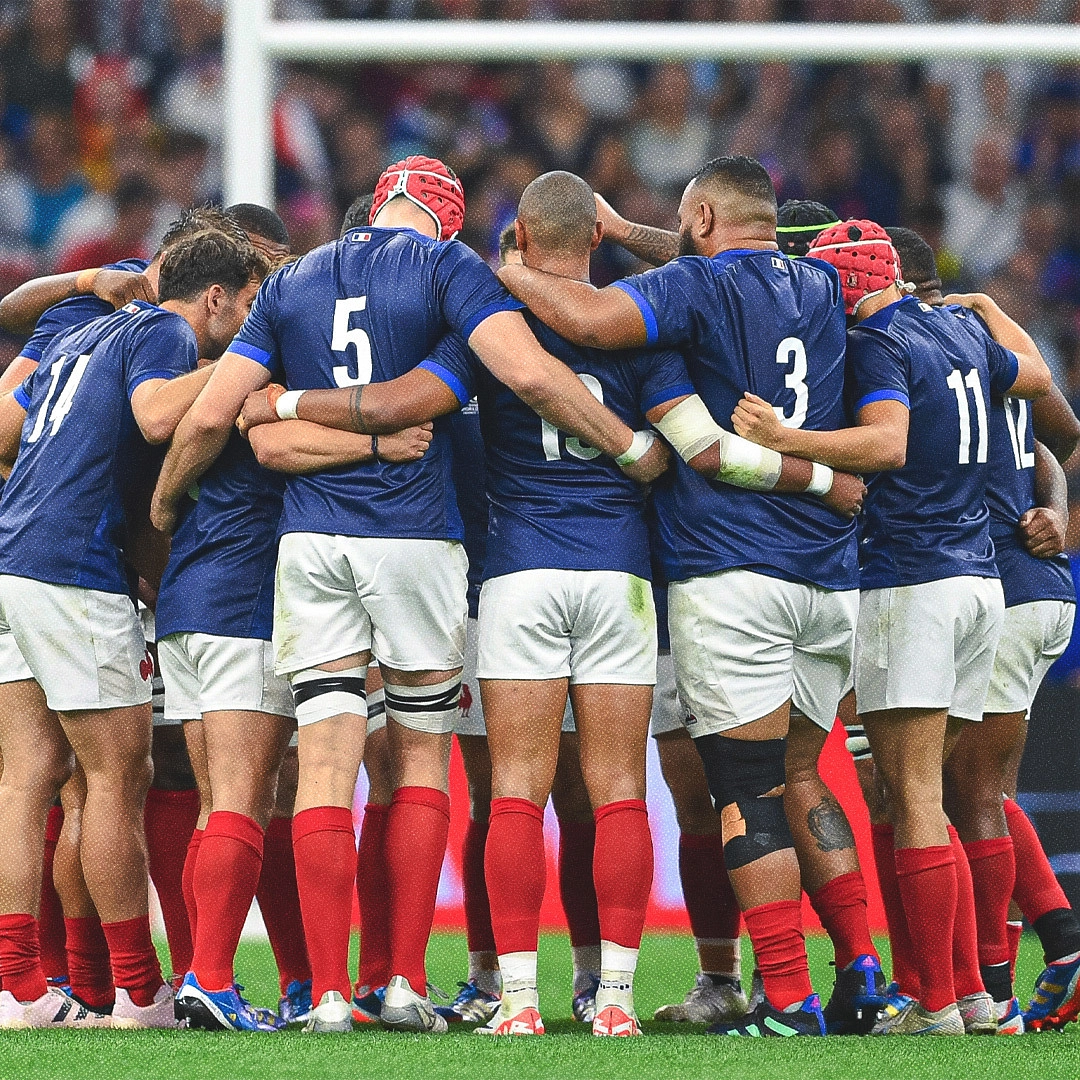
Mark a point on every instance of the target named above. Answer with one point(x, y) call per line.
point(917, 262)
point(799, 221)
point(507, 241)
point(208, 258)
point(737, 172)
point(198, 219)
point(358, 215)
point(259, 220)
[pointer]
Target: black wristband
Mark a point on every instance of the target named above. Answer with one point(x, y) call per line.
point(375, 446)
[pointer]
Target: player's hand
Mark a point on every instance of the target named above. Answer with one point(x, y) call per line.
point(653, 463)
point(846, 495)
point(408, 445)
point(162, 515)
point(120, 287)
point(976, 302)
point(1043, 531)
point(260, 408)
point(755, 419)
point(614, 225)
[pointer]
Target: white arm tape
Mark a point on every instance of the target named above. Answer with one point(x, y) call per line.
point(690, 428)
point(286, 404)
point(821, 480)
point(747, 465)
point(638, 448)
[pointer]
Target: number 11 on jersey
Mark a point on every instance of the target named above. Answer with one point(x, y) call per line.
point(960, 385)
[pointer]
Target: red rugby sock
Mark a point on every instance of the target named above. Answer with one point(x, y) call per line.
point(230, 859)
point(967, 979)
point(481, 938)
point(577, 888)
point(780, 948)
point(1036, 890)
point(20, 957)
point(134, 960)
point(169, 819)
point(623, 870)
point(373, 893)
point(516, 869)
point(927, 880)
point(325, 852)
point(993, 875)
point(54, 961)
point(415, 846)
point(841, 906)
point(710, 900)
point(905, 973)
point(89, 965)
point(191, 860)
point(279, 903)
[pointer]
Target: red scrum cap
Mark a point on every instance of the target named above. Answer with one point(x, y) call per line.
point(429, 184)
point(864, 257)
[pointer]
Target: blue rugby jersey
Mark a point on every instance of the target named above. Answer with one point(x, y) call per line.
point(759, 321)
point(62, 511)
point(470, 483)
point(368, 308)
point(554, 502)
point(928, 520)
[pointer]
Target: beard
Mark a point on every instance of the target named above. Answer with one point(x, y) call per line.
point(686, 242)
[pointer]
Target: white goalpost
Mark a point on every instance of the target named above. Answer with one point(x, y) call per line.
point(253, 40)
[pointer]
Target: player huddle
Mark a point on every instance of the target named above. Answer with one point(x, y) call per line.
point(759, 485)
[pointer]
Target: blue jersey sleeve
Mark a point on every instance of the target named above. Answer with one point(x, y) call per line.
point(1003, 364)
point(24, 391)
point(256, 339)
point(468, 290)
point(664, 377)
point(667, 297)
point(876, 371)
point(453, 362)
point(165, 349)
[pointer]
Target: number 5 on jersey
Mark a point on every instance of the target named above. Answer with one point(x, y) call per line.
point(63, 402)
point(343, 336)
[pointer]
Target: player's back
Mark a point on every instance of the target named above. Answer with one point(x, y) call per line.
point(928, 520)
point(62, 511)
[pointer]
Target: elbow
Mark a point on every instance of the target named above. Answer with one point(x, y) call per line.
point(157, 429)
point(267, 453)
point(893, 456)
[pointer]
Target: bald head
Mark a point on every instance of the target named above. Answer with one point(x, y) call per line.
point(558, 213)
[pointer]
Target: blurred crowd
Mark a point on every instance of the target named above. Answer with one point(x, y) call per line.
point(111, 122)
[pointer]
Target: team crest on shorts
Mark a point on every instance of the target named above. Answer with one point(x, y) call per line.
point(146, 667)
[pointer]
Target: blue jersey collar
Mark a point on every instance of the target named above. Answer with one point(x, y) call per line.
point(880, 320)
point(725, 258)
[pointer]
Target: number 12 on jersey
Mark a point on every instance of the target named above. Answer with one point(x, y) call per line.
point(960, 385)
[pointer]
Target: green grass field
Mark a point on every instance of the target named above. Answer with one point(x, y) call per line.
point(667, 1053)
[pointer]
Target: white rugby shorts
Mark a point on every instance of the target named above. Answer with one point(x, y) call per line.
point(339, 595)
point(590, 626)
point(206, 673)
point(928, 646)
point(744, 643)
point(1033, 636)
point(668, 713)
point(85, 648)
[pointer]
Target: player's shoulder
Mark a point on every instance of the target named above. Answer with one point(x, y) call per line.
point(132, 266)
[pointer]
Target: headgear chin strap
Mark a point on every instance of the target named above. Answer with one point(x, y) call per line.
point(428, 183)
point(863, 255)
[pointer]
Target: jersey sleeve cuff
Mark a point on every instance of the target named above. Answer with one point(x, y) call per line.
point(252, 352)
point(456, 385)
point(884, 395)
point(667, 394)
point(1014, 372)
point(30, 352)
point(652, 331)
point(146, 376)
point(506, 304)
point(21, 396)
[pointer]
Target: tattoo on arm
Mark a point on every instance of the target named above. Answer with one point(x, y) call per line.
point(656, 246)
point(829, 826)
point(355, 414)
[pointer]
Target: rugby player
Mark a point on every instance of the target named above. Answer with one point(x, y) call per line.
point(931, 605)
point(762, 600)
point(73, 646)
point(385, 539)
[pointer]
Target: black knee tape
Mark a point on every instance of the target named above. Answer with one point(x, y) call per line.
point(740, 773)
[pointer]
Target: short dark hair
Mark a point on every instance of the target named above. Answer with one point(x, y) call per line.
point(559, 211)
point(744, 175)
point(798, 221)
point(917, 262)
point(359, 213)
point(208, 258)
point(198, 219)
point(507, 241)
point(260, 220)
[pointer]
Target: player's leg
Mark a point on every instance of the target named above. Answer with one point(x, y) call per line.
point(710, 902)
point(195, 741)
point(577, 836)
point(51, 913)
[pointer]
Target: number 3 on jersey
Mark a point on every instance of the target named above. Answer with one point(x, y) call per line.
point(549, 433)
point(343, 336)
point(63, 402)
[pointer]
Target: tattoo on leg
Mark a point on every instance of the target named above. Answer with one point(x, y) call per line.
point(828, 825)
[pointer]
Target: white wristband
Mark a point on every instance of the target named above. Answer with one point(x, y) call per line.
point(638, 448)
point(286, 404)
point(821, 480)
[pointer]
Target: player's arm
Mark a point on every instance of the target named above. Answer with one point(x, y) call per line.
point(1043, 527)
point(12, 415)
point(719, 455)
point(1053, 421)
point(16, 373)
point(598, 318)
point(203, 432)
point(651, 245)
point(299, 446)
point(877, 442)
point(22, 307)
point(160, 404)
point(1033, 377)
